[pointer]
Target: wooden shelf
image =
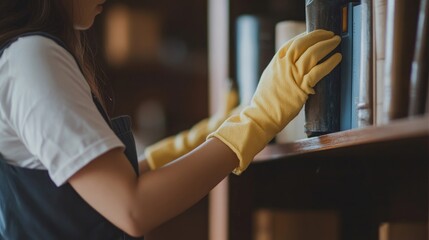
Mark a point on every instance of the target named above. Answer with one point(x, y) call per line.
point(367, 176)
point(406, 129)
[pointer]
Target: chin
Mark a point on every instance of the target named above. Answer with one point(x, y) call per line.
point(83, 26)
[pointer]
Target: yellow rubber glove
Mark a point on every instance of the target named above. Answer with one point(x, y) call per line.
point(173, 147)
point(282, 91)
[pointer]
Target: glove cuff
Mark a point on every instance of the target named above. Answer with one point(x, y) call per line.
point(244, 137)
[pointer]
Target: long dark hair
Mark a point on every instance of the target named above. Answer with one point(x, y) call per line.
point(50, 16)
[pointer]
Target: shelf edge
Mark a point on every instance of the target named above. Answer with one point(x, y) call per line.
point(399, 129)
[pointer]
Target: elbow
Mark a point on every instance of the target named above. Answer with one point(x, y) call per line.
point(134, 231)
point(135, 226)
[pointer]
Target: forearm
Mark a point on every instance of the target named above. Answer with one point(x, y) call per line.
point(137, 205)
point(170, 190)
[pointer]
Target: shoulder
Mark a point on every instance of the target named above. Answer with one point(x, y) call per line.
point(34, 45)
point(37, 52)
point(35, 69)
point(39, 60)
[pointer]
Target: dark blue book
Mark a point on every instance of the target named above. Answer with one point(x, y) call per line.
point(322, 110)
point(346, 66)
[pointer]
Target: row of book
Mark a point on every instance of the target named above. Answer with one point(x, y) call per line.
point(383, 75)
point(271, 224)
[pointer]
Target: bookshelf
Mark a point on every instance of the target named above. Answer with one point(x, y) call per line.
point(368, 176)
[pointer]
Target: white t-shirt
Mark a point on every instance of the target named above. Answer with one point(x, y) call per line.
point(47, 117)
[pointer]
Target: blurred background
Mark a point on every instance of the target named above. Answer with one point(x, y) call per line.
point(154, 58)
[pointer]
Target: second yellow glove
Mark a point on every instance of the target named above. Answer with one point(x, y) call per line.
point(171, 148)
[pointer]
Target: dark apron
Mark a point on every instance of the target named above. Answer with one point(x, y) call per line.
point(33, 207)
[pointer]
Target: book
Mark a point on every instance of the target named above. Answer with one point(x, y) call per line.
point(347, 66)
point(254, 50)
point(401, 25)
point(358, 89)
point(285, 31)
point(364, 106)
point(379, 9)
point(271, 224)
point(350, 50)
point(322, 110)
point(427, 99)
point(419, 67)
point(403, 231)
point(263, 224)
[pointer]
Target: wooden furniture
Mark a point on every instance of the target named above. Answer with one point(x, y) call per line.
point(369, 176)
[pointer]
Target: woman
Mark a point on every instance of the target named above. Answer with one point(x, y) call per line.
point(69, 172)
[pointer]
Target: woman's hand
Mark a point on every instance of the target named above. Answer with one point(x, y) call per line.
point(282, 91)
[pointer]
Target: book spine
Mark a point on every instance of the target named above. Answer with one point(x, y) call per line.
point(380, 7)
point(356, 65)
point(322, 110)
point(274, 224)
point(263, 224)
point(419, 69)
point(365, 83)
point(346, 67)
point(400, 42)
point(247, 56)
point(403, 230)
point(286, 30)
point(427, 98)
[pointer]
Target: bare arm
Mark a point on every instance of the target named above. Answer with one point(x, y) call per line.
point(137, 205)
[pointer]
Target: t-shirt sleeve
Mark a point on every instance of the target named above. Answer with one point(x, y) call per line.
point(51, 108)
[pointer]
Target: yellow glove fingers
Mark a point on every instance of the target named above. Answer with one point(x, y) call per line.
point(300, 45)
point(283, 49)
point(315, 53)
point(281, 93)
point(318, 72)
